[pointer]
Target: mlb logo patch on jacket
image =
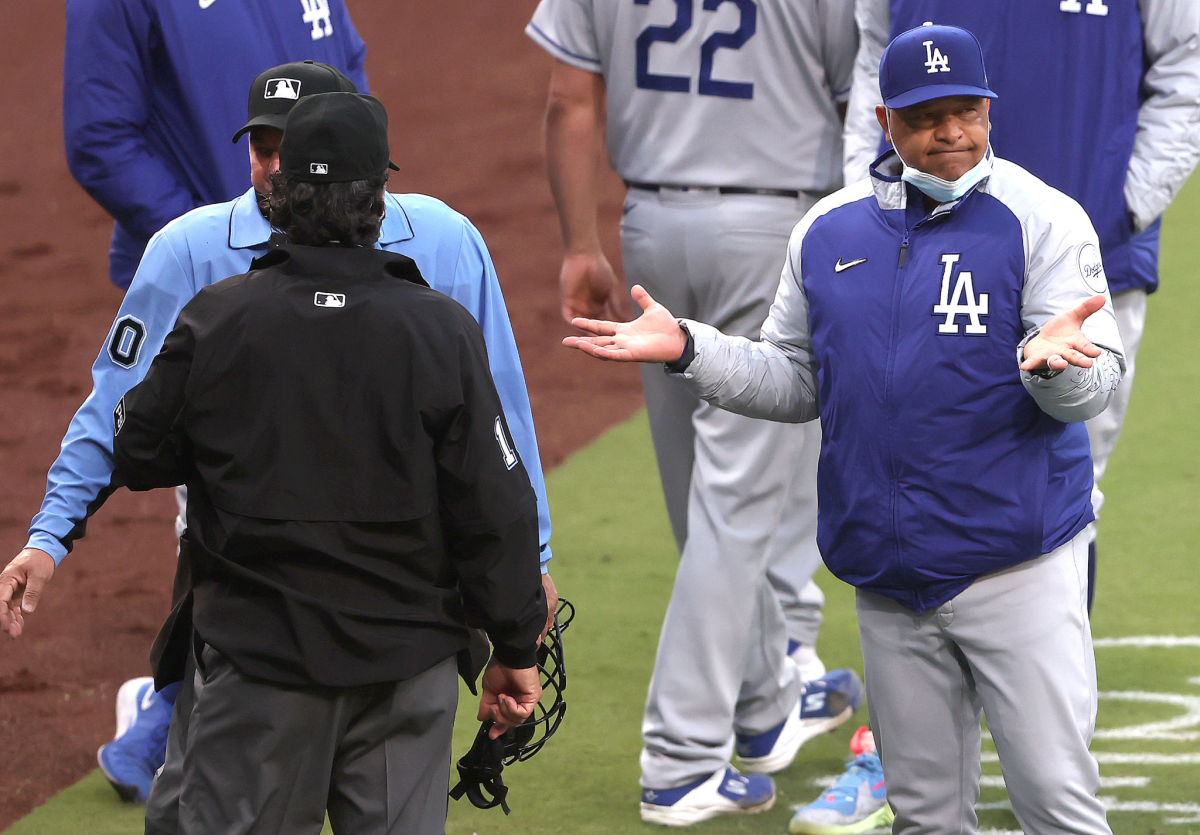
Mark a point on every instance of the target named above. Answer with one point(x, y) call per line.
point(329, 300)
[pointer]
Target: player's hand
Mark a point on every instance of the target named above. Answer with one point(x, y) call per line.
point(589, 288)
point(551, 605)
point(1061, 343)
point(21, 585)
point(654, 336)
point(509, 696)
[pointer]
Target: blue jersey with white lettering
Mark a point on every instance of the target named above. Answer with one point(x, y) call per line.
point(1068, 74)
point(154, 91)
point(215, 242)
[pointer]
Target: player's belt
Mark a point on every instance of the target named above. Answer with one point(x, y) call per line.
point(762, 192)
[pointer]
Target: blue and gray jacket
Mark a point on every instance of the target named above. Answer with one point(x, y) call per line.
point(153, 91)
point(940, 461)
point(215, 242)
point(1098, 98)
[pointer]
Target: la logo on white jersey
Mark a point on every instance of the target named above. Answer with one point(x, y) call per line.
point(316, 12)
point(964, 302)
point(935, 61)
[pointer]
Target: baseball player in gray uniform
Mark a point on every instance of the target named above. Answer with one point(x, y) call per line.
point(723, 118)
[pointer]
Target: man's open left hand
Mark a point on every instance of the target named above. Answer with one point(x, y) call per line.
point(1061, 343)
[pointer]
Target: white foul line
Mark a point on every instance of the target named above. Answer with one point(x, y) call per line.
point(1149, 641)
point(989, 781)
point(1108, 758)
point(1169, 729)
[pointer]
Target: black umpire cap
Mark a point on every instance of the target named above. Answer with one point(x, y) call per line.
point(276, 90)
point(335, 138)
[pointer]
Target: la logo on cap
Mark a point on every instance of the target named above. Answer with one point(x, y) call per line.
point(282, 88)
point(935, 61)
point(318, 168)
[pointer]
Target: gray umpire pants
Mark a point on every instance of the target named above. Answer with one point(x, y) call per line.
point(1015, 647)
point(741, 493)
point(162, 806)
point(1105, 428)
point(261, 758)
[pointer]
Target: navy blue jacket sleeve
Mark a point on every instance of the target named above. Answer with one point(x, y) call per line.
point(106, 107)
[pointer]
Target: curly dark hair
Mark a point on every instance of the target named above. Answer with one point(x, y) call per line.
point(318, 214)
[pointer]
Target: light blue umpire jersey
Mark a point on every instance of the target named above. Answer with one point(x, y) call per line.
point(215, 242)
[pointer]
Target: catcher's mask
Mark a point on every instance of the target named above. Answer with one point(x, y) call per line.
point(479, 769)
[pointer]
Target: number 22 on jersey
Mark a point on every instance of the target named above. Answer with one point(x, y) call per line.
point(707, 85)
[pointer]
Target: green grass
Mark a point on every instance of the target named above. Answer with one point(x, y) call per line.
point(615, 560)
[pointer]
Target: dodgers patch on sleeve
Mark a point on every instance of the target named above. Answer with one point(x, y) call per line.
point(118, 416)
point(1091, 267)
point(506, 445)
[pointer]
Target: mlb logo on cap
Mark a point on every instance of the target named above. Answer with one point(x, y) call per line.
point(282, 88)
point(932, 62)
point(318, 168)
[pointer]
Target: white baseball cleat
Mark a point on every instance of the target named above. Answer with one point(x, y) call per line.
point(724, 792)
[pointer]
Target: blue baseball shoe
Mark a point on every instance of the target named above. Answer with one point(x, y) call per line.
point(140, 746)
point(724, 792)
point(824, 703)
point(856, 803)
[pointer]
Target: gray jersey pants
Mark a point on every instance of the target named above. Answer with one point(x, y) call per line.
point(741, 493)
point(1105, 428)
point(1015, 647)
point(262, 758)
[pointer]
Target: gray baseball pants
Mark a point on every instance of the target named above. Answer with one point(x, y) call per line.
point(741, 493)
point(262, 758)
point(1015, 647)
point(1105, 428)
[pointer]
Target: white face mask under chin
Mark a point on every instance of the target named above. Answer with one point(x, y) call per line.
point(937, 189)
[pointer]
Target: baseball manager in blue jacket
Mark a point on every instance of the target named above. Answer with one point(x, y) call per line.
point(1099, 98)
point(948, 319)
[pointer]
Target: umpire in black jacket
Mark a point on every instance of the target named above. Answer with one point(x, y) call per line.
point(354, 503)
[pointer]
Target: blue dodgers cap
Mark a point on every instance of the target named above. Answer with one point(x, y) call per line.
point(931, 62)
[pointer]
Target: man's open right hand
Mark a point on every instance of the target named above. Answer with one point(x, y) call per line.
point(654, 336)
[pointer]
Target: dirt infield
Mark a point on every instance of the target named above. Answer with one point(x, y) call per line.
point(464, 89)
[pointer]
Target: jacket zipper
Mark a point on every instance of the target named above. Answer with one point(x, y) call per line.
point(893, 486)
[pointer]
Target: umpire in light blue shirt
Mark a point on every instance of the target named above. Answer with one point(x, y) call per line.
point(205, 246)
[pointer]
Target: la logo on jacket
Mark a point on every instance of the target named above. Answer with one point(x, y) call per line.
point(963, 302)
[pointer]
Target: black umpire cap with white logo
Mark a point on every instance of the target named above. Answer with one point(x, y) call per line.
point(335, 138)
point(276, 90)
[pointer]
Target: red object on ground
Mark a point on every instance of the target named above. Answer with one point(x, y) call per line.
point(863, 742)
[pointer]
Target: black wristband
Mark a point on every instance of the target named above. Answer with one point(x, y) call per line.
point(689, 353)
